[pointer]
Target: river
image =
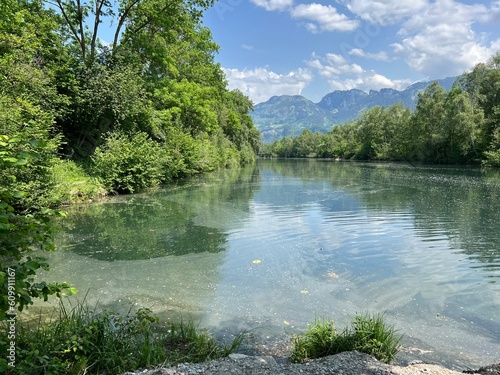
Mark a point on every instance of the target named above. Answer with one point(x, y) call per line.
point(272, 246)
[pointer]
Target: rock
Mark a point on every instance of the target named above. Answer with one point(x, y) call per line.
point(237, 356)
point(487, 370)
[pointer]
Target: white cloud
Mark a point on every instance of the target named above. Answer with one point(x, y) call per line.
point(247, 47)
point(384, 11)
point(333, 65)
point(260, 84)
point(439, 41)
point(273, 5)
point(493, 15)
point(369, 80)
point(382, 56)
point(342, 75)
point(323, 18)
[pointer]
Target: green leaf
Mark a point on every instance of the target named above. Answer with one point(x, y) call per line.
point(18, 194)
point(21, 162)
point(4, 226)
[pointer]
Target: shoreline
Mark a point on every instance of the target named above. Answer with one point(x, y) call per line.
point(349, 363)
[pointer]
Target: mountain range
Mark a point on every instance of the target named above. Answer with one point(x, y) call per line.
point(290, 115)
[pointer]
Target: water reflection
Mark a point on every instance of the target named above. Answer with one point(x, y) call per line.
point(460, 204)
point(177, 221)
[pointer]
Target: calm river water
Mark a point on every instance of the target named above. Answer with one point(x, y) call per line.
point(270, 247)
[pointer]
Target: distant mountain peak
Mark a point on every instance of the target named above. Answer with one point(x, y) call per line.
point(290, 115)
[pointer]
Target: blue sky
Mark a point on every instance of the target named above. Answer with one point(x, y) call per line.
point(291, 47)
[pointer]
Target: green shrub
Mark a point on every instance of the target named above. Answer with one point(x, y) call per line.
point(27, 127)
point(367, 334)
point(84, 341)
point(247, 154)
point(492, 158)
point(22, 231)
point(129, 163)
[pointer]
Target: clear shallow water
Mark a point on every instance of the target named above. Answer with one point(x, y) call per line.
point(270, 247)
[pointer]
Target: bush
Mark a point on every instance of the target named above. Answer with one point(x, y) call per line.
point(27, 128)
point(83, 341)
point(129, 163)
point(368, 334)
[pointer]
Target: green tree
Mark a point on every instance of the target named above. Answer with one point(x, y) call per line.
point(428, 130)
point(107, 98)
point(29, 103)
point(129, 18)
point(22, 232)
point(306, 144)
point(483, 86)
point(462, 126)
point(369, 132)
point(392, 141)
point(236, 122)
point(346, 143)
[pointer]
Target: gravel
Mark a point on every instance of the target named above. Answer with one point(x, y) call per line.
point(348, 363)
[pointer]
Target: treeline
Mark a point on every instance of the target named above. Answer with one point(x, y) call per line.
point(142, 108)
point(461, 126)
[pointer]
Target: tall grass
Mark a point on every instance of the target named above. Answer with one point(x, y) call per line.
point(368, 334)
point(84, 341)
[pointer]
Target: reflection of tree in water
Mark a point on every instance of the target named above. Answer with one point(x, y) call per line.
point(159, 224)
point(461, 203)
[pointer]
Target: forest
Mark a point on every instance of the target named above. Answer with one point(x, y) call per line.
point(461, 126)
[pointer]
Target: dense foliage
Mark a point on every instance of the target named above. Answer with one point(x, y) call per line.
point(458, 127)
point(155, 96)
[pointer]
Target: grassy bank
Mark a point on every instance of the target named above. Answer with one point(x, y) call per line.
point(80, 340)
point(73, 184)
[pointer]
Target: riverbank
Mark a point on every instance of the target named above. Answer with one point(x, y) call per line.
point(346, 363)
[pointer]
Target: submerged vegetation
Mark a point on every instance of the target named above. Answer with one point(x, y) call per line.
point(368, 334)
point(461, 126)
